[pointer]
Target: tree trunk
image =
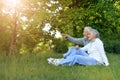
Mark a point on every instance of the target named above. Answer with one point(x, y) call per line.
point(14, 35)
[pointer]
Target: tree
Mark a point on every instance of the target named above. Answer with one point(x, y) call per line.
point(24, 22)
point(99, 14)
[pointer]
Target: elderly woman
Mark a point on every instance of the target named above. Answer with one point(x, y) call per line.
point(95, 53)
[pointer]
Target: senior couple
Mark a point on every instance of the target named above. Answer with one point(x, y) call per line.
point(91, 54)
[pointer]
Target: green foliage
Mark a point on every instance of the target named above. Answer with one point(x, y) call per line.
point(73, 16)
point(5, 32)
point(102, 15)
point(112, 46)
point(29, 32)
point(60, 46)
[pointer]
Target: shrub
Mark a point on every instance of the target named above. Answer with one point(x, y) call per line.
point(60, 46)
point(112, 46)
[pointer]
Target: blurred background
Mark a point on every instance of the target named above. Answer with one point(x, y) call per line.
point(35, 26)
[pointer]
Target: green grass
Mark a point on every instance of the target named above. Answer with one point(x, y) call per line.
point(35, 67)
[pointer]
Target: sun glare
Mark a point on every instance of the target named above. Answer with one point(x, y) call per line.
point(12, 3)
point(10, 6)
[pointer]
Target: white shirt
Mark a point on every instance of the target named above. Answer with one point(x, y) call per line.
point(95, 50)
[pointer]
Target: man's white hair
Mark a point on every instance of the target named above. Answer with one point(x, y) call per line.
point(88, 28)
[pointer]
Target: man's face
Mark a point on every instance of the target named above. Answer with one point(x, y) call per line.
point(86, 33)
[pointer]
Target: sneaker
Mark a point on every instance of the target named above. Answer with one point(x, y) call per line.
point(50, 60)
point(56, 62)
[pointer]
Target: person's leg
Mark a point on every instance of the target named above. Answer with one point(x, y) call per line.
point(73, 51)
point(70, 52)
point(66, 61)
point(81, 52)
point(83, 60)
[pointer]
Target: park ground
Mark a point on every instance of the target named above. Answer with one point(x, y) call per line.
point(35, 67)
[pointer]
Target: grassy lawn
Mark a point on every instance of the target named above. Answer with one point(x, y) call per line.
point(35, 67)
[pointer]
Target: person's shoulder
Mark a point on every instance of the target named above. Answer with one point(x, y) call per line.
point(97, 40)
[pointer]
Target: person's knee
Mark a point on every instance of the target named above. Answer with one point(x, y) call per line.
point(72, 47)
point(77, 56)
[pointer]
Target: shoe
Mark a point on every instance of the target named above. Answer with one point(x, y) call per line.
point(50, 60)
point(56, 62)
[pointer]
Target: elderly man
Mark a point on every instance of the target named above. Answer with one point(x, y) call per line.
point(82, 41)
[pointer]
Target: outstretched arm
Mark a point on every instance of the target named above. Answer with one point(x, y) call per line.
point(74, 40)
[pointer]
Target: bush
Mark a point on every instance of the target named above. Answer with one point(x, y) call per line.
point(112, 46)
point(60, 46)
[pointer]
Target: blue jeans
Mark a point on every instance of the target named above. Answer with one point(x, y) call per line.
point(72, 51)
point(78, 56)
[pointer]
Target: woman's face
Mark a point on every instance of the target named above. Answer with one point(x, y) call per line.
point(91, 36)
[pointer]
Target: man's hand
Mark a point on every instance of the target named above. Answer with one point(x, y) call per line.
point(77, 47)
point(64, 35)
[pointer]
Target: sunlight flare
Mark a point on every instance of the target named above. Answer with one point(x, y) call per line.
point(12, 3)
point(10, 6)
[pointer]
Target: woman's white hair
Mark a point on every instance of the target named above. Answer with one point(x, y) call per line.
point(94, 31)
point(97, 35)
